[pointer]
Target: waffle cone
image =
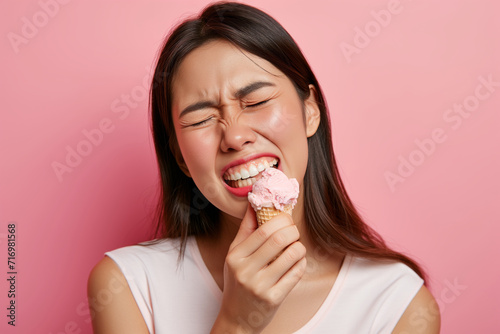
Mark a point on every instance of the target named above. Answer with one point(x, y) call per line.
point(266, 213)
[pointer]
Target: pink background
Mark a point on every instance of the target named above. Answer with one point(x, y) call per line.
point(73, 71)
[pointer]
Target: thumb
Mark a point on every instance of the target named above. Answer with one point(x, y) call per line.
point(248, 226)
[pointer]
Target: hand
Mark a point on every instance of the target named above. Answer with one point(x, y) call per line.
point(262, 267)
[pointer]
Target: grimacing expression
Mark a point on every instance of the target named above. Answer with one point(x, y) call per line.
point(234, 115)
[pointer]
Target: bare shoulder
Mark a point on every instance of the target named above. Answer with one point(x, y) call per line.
point(421, 316)
point(112, 305)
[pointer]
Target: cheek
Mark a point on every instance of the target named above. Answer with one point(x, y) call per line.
point(281, 121)
point(284, 125)
point(197, 150)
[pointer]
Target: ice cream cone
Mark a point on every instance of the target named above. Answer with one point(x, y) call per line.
point(272, 194)
point(267, 213)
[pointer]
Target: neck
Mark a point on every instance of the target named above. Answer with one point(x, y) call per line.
point(215, 248)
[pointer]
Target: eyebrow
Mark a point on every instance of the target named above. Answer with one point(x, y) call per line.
point(240, 93)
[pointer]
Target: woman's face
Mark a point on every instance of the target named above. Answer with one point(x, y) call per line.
point(234, 115)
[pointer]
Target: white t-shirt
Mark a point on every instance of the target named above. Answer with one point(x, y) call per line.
point(182, 297)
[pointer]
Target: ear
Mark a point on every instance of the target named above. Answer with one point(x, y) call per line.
point(174, 148)
point(312, 112)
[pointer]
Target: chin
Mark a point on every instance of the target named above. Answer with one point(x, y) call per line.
point(236, 213)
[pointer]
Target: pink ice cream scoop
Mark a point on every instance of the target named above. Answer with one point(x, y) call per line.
point(272, 194)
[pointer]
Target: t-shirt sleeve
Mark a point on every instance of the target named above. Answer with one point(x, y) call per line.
point(401, 292)
point(135, 273)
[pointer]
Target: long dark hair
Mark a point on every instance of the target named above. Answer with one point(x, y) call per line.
point(330, 216)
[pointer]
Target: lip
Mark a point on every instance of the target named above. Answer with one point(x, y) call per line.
point(243, 191)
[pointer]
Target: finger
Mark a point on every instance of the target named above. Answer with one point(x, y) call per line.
point(288, 281)
point(293, 254)
point(262, 234)
point(275, 245)
point(247, 227)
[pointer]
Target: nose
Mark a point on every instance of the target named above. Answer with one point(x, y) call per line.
point(236, 135)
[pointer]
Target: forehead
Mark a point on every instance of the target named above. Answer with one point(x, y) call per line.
point(217, 67)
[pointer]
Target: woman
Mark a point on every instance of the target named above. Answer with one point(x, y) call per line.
point(231, 91)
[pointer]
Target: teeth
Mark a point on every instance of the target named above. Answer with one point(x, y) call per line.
point(252, 170)
point(243, 183)
point(244, 173)
point(247, 171)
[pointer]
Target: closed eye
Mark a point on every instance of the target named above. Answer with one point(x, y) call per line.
point(257, 104)
point(201, 122)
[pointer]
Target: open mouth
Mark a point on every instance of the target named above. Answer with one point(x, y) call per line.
point(248, 173)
